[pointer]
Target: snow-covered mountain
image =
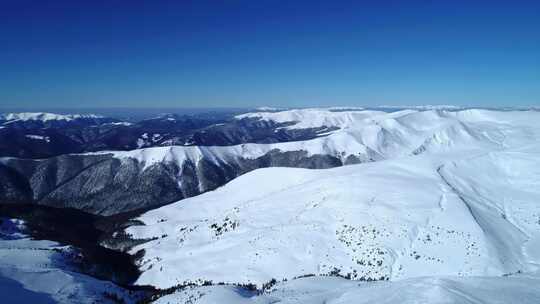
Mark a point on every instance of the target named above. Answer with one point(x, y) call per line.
point(403, 218)
point(156, 176)
point(34, 120)
point(435, 202)
point(446, 195)
point(41, 116)
point(42, 135)
point(370, 134)
point(360, 136)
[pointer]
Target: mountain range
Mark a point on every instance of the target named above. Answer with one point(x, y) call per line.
point(296, 206)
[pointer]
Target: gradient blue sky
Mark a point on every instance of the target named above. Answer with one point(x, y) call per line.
point(279, 53)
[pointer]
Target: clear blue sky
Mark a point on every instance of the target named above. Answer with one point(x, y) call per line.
point(256, 52)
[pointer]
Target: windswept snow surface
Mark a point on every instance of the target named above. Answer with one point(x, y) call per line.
point(454, 194)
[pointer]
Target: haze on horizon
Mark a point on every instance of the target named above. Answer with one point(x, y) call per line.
point(185, 54)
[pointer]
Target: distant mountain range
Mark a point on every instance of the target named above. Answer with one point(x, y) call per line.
point(42, 135)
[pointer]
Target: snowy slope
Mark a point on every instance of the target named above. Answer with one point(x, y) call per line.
point(317, 290)
point(503, 194)
point(383, 220)
point(33, 271)
point(391, 219)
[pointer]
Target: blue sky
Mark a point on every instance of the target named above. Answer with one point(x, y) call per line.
point(278, 53)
